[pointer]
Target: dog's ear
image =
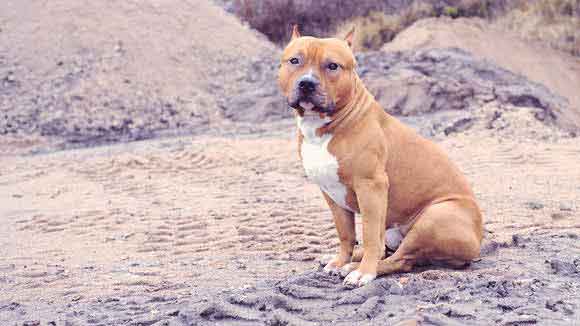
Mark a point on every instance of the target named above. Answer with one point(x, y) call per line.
point(295, 32)
point(350, 36)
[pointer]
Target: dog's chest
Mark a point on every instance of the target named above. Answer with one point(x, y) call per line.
point(320, 166)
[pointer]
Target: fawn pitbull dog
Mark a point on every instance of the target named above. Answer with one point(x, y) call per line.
point(412, 198)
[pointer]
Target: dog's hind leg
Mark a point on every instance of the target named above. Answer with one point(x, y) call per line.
point(357, 255)
point(448, 232)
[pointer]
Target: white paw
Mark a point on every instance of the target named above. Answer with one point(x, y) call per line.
point(356, 278)
point(325, 259)
point(331, 268)
point(348, 268)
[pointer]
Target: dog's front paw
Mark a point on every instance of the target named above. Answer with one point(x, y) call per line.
point(331, 268)
point(334, 265)
point(356, 278)
point(346, 269)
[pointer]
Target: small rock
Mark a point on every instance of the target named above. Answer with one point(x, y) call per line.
point(396, 288)
point(459, 126)
point(489, 247)
point(458, 311)
point(302, 292)
point(221, 310)
point(324, 259)
point(438, 319)
point(534, 205)
point(31, 323)
point(282, 317)
point(243, 299)
point(509, 304)
point(278, 213)
point(371, 307)
point(566, 206)
point(350, 298)
point(519, 241)
point(520, 320)
point(559, 306)
point(563, 267)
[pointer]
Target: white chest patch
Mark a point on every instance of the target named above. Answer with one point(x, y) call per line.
point(319, 164)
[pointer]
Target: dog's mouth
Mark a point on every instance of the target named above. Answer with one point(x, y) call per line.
point(305, 107)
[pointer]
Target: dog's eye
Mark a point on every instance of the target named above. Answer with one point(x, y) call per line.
point(294, 61)
point(333, 66)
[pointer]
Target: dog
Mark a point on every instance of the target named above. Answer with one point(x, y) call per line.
point(412, 199)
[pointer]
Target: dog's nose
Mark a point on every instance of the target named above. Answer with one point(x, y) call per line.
point(307, 84)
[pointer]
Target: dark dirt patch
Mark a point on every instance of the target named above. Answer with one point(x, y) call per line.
point(538, 283)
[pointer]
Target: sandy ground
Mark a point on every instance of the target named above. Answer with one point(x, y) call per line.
point(222, 228)
point(187, 230)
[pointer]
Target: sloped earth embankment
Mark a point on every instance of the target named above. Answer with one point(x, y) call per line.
point(558, 71)
point(448, 88)
point(83, 73)
point(85, 96)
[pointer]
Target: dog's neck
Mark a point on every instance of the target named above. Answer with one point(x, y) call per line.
point(360, 103)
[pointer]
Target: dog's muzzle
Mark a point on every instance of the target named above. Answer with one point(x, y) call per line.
point(306, 95)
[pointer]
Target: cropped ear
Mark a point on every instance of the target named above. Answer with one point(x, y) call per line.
point(295, 32)
point(349, 36)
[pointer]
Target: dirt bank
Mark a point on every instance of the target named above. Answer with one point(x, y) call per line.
point(85, 72)
point(558, 71)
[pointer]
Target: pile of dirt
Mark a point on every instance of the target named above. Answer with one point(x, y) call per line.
point(451, 86)
point(89, 72)
point(558, 71)
point(131, 71)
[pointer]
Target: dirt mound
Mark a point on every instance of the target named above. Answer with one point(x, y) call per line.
point(556, 70)
point(91, 71)
point(131, 71)
point(455, 85)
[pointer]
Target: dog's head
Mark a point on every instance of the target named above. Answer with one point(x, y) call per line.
point(317, 74)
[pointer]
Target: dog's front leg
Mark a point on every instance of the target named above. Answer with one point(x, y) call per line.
point(372, 194)
point(344, 222)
